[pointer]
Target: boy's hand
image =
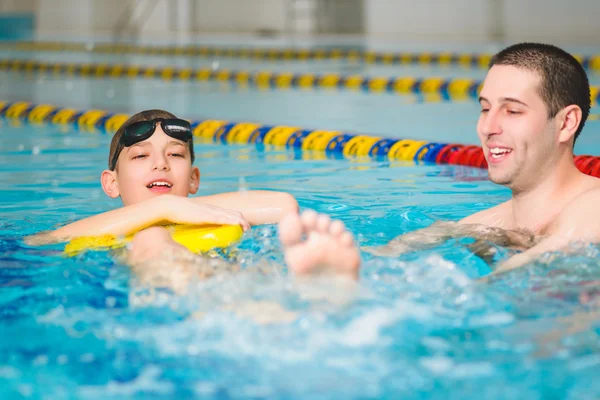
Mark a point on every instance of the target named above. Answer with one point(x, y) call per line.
point(182, 210)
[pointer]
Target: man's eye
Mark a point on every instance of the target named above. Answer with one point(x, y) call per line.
point(514, 112)
point(484, 110)
point(177, 155)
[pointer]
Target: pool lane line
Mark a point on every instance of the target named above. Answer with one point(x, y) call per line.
point(335, 143)
point(450, 89)
point(441, 58)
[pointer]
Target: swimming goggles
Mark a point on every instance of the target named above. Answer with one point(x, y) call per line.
point(138, 131)
point(176, 128)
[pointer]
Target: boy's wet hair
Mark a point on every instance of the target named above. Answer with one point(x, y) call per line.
point(116, 147)
point(563, 79)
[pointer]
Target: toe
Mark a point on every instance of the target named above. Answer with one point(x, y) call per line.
point(336, 228)
point(309, 219)
point(290, 229)
point(323, 223)
point(346, 239)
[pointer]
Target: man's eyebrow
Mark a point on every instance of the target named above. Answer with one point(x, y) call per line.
point(513, 100)
point(505, 100)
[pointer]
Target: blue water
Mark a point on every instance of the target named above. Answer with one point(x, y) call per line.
point(420, 326)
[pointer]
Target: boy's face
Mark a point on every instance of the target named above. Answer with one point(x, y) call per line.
point(518, 138)
point(155, 166)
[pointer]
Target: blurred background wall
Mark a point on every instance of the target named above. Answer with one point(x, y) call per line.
point(397, 20)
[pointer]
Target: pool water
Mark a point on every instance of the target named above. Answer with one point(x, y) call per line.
point(418, 326)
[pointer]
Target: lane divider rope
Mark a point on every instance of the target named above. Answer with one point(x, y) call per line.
point(336, 143)
point(450, 89)
point(472, 60)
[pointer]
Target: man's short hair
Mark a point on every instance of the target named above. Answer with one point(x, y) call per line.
point(563, 79)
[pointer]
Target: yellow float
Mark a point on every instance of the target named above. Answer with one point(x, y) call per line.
point(196, 238)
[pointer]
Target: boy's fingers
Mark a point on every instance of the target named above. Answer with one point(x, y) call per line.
point(235, 220)
point(243, 223)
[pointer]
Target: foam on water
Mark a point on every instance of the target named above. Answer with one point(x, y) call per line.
point(418, 326)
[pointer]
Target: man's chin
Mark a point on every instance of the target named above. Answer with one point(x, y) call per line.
point(500, 179)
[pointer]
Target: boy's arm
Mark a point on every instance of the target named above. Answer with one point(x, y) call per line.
point(129, 219)
point(257, 206)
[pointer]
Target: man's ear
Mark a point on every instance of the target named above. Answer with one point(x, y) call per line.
point(109, 183)
point(569, 120)
point(194, 180)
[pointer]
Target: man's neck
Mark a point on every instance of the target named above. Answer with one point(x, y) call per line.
point(535, 208)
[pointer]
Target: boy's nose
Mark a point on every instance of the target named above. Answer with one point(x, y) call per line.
point(161, 164)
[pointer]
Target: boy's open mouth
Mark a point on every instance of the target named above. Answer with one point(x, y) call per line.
point(159, 186)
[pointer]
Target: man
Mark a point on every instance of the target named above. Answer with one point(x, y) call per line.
point(534, 103)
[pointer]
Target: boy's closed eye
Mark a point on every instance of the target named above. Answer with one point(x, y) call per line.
point(177, 149)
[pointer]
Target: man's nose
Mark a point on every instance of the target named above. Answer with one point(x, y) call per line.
point(490, 123)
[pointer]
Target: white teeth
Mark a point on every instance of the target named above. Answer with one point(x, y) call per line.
point(499, 150)
point(160, 183)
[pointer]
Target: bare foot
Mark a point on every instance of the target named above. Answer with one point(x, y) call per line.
point(315, 244)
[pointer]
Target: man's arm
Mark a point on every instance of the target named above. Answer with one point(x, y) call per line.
point(133, 218)
point(420, 239)
point(484, 226)
point(257, 206)
point(552, 243)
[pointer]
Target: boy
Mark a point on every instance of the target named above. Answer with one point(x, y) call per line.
point(151, 169)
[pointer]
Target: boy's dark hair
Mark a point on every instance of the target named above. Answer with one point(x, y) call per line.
point(116, 147)
point(563, 79)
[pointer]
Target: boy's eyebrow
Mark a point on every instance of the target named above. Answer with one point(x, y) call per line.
point(177, 142)
point(169, 143)
point(138, 144)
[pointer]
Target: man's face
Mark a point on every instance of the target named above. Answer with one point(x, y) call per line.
point(518, 138)
point(155, 166)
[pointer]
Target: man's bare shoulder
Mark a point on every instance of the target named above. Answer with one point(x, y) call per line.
point(498, 216)
point(581, 214)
